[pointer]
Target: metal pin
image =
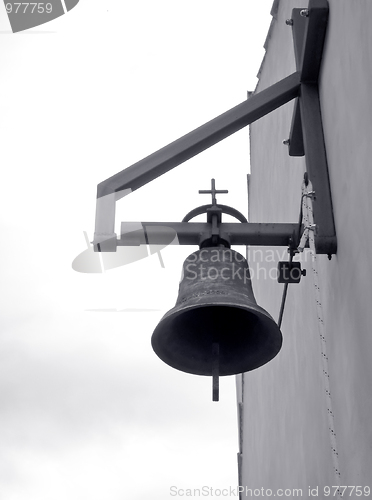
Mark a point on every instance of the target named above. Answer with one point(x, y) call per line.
point(289, 22)
point(304, 12)
point(215, 371)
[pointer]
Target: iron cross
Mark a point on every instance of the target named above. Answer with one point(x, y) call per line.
point(213, 191)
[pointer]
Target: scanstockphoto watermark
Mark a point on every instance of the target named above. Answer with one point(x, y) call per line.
point(234, 491)
point(269, 255)
point(212, 273)
point(225, 265)
point(263, 263)
point(254, 255)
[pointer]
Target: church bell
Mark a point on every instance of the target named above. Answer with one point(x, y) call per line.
point(216, 326)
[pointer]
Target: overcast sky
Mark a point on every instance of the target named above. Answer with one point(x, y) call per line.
point(88, 411)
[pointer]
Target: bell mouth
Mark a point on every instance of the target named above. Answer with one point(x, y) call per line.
point(248, 338)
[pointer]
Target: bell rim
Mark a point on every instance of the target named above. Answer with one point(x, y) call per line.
point(256, 309)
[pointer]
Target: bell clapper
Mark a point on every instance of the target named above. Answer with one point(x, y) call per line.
point(215, 371)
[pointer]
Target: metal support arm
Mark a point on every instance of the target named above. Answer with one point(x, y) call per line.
point(309, 29)
point(181, 150)
point(191, 233)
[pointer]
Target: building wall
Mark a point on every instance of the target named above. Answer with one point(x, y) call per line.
point(286, 436)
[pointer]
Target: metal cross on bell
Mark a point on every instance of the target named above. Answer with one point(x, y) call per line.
point(213, 191)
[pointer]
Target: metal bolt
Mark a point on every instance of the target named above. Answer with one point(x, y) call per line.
point(286, 142)
point(304, 12)
point(289, 22)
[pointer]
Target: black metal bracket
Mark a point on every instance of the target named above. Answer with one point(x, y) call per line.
point(309, 28)
point(306, 137)
point(192, 233)
point(290, 272)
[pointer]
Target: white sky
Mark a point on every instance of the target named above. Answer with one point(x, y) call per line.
point(88, 411)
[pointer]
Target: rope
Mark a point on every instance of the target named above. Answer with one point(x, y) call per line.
point(308, 222)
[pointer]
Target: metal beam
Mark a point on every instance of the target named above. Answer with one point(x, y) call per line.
point(190, 233)
point(314, 36)
point(200, 139)
point(299, 25)
point(317, 168)
point(309, 28)
point(296, 141)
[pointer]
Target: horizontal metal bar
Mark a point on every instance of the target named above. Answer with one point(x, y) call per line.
point(190, 233)
point(260, 234)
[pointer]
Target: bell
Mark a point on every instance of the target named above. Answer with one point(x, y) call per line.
point(216, 327)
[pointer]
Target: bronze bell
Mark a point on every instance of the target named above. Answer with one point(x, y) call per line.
point(216, 315)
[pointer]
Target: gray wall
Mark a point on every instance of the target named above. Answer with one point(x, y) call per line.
point(286, 438)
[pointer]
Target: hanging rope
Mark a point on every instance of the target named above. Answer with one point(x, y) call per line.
point(308, 234)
